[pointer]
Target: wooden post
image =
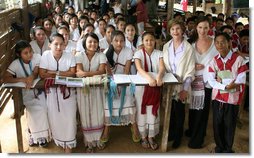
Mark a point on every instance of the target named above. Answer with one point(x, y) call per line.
point(25, 20)
point(164, 142)
point(170, 9)
point(194, 6)
point(0, 147)
point(229, 8)
point(18, 107)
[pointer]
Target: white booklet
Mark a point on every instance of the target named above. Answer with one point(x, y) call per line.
point(61, 80)
point(121, 78)
point(21, 84)
point(138, 79)
point(75, 82)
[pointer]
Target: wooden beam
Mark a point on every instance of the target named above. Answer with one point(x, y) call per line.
point(18, 105)
point(170, 9)
point(164, 141)
point(194, 3)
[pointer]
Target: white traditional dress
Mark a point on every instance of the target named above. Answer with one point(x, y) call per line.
point(91, 104)
point(71, 46)
point(126, 113)
point(61, 102)
point(37, 49)
point(34, 101)
point(148, 124)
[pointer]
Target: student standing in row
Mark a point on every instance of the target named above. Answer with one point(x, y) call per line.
point(148, 97)
point(61, 100)
point(25, 69)
point(227, 74)
point(121, 110)
point(91, 104)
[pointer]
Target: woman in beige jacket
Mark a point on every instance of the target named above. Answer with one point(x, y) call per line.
point(178, 56)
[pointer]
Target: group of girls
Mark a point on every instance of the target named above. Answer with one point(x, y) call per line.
point(111, 51)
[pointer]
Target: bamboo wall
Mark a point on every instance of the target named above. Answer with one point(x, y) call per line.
point(8, 38)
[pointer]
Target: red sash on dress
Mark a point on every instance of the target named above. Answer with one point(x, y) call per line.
point(151, 95)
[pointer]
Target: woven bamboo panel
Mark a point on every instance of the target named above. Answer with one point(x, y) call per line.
point(35, 9)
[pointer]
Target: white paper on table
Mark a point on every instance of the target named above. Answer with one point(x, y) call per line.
point(138, 79)
point(121, 78)
point(75, 82)
point(61, 80)
point(21, 84)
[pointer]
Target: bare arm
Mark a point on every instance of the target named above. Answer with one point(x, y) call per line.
point(151, 80)
point(160, 73)
point(127, 67)
point(81, 73)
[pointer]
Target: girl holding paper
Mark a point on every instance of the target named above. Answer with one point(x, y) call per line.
point(25, 69)
point(61, 100)
point(122, 110)
point(147, 97)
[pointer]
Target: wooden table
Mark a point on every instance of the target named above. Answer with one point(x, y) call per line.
point(19, 107)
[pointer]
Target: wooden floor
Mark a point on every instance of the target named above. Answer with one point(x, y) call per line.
point(121, 142)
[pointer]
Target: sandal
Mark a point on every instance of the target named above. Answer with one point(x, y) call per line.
point(152, 143)
point(145, 143)
point(89, 149)
point(101, 145)
point(104, 139)
point(135, 139)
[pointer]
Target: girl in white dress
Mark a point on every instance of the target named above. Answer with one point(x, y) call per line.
point(86, 29)
point(131, 42)
point(106, 40)
point(100, 30)
point(48, 26)
point(147, 97)
point(61, 100)
point(73, 24)
point(25, 69)
point(41, 43)
point(90, 105)
point(118, 113)
point(70, 46)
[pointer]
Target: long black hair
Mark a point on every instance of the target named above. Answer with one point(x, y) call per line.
point(110, 51)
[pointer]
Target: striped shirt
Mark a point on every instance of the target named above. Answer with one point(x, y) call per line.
point(233, 63)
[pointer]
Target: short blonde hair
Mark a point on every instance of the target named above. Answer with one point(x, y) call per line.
point(173, 22)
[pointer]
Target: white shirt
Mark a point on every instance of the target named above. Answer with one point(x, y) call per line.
point(71, 46)
point(16, 69)
point(48, 61)
point(79, 46)
point(75, 35)
point(93, 65)
point(175, 56)
point(37, 49)
point(103, 44)
point(152, 60)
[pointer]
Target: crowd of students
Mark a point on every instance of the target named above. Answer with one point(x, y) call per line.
point(200, 53)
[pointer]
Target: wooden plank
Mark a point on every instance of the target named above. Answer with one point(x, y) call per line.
point(164, 141)
point(18, 103)
point(5, 103)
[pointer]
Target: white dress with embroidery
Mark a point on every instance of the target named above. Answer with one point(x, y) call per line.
point(37, 119)
point(128, 113)
point(61, 111)
point(148, 124)
point(91, 103)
